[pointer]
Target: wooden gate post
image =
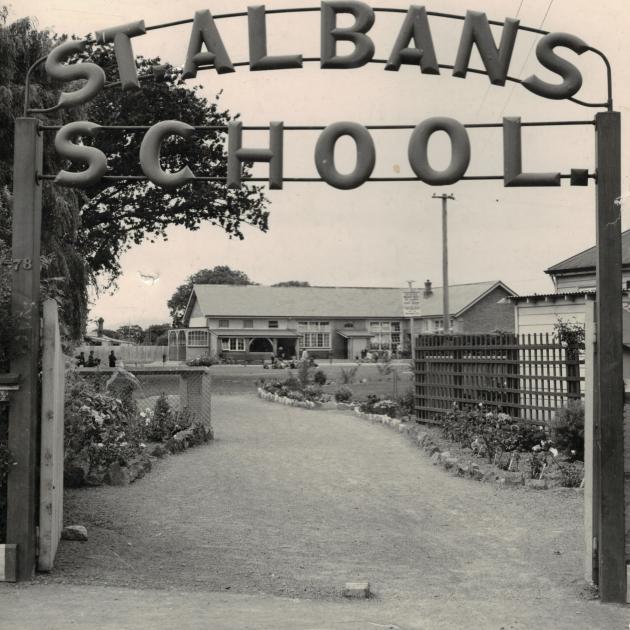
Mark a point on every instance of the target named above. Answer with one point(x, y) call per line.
point(609, 387)
point(591, 447)
point(22, 482)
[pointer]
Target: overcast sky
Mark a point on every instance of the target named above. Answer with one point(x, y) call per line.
point(381, 234)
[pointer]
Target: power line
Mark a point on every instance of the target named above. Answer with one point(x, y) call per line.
point(520, 72)
point(483, 100)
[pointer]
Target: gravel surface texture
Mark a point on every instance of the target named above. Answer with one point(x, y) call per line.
point(294, 503)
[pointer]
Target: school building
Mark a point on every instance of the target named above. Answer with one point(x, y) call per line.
point(250, 323)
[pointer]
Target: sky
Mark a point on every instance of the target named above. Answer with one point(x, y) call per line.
point(381, 234)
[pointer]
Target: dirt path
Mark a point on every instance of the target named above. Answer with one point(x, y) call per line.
point(295, 503)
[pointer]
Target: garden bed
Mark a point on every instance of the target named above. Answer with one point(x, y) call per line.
point(109, 439)
point(540, 468)
point(480, 443)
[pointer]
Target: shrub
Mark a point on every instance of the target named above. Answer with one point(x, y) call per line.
point(349, 375)
point(304, 373)
point(160, 424)
point(290, 383)
point(320, 377)
point(205, 361)
point(567, 429)
point(384, 365)
point(343, 395)
point(98, 427)
point(407, 402)
point(312, 392)
point(367, 406)
point(386, 408)
point(490, 433)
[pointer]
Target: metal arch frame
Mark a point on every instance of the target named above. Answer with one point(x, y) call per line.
point(608, 104)
point(224, 128)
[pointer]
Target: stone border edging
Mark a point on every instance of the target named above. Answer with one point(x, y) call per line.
point(423, 440)
point(469, 469)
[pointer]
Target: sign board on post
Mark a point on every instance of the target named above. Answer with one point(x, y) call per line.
point(411, 309)
point(411, 303)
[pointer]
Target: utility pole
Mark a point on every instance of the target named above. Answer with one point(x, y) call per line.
point(445, 309)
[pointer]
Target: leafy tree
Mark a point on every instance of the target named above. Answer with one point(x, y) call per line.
point(132, 332)
point(155, 334)
point(64, 273)
point(221, 274)
point(121, 213)
point(112, 334)
point(292, 283)
point(85, 232)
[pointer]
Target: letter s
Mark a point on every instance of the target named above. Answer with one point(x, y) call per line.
point(56, 70)
point(571, 76)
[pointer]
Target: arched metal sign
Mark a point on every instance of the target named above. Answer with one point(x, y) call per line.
point(412, 45)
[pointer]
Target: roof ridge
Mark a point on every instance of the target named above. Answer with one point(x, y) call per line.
point(323, 286)
point(558, 265)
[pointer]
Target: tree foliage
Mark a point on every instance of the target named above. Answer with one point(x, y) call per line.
point(292, 283)
point(85, 232)
point(65, 275)
point(131, 332)
point(221, 274)
point(157, 334)
point(122, 213)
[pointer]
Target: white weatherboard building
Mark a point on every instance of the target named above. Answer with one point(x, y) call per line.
point(251, 322)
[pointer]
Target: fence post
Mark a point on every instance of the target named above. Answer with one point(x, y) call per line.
point(22, 482)
point(591, 447)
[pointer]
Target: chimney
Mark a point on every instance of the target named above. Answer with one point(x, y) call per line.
point(99, 330)
point(428, 291)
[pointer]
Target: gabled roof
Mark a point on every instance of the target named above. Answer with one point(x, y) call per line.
point(224, 300)
point(585, 261)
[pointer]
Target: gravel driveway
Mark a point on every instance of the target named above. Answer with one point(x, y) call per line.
point(295, 503)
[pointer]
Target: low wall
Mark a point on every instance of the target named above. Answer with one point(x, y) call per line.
point(193, 384)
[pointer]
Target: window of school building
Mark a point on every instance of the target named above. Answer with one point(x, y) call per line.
point(385, 335)
point(314, 334)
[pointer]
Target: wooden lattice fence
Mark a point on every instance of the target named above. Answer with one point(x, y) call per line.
point(528, 377)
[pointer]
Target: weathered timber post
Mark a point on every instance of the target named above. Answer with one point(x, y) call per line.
point(609, 387)
point(591, 450)
point(22, 482)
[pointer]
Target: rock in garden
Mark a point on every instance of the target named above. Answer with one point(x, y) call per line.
point(435, 458)
point(117, 475)
point(159, 450)
point(431, 449)
point(75, 470)
point(74, 532)
point(463, 470)
point(420, 438)
point(449, 462)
